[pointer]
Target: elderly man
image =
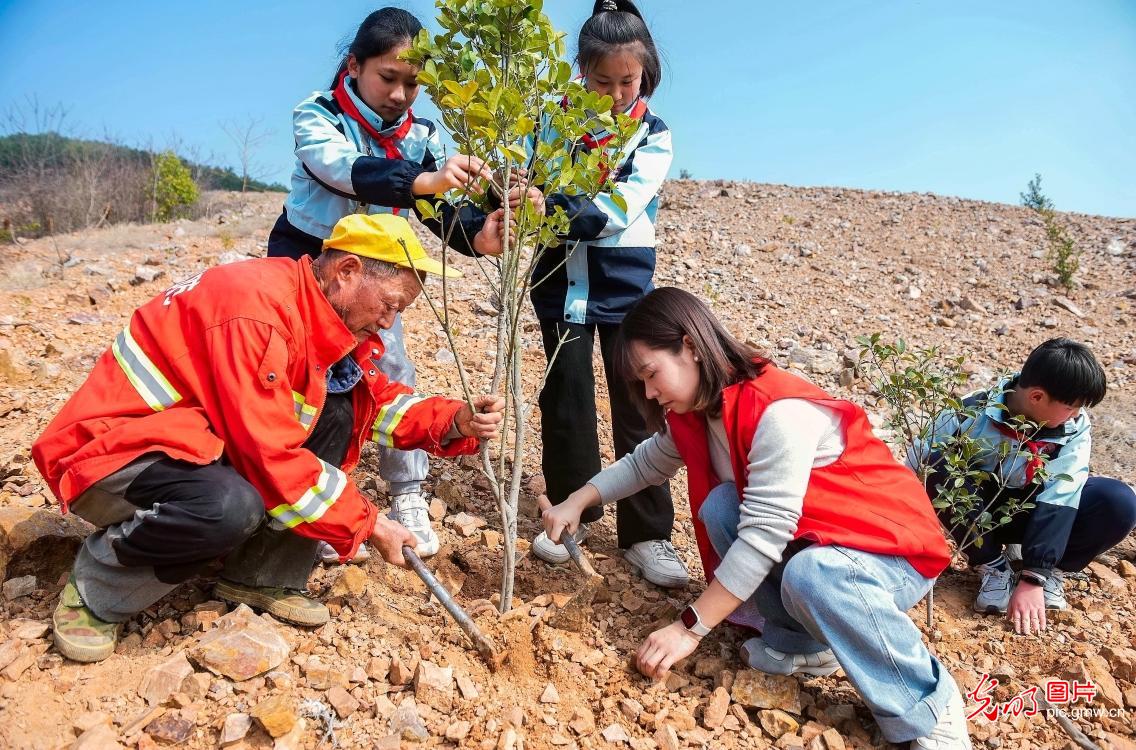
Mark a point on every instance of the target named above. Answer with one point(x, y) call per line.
point(223, 421)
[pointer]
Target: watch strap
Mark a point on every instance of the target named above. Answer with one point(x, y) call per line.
point(692, 621)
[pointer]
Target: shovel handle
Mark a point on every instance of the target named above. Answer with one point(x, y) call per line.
point(484, 646)
point(574, 552)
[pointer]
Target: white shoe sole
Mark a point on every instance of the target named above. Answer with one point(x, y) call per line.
point(817, 671)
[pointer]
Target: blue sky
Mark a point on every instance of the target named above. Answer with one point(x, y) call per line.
point(958, 98)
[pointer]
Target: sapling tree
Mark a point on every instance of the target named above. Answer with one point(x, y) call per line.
point(507, 97)
point(973, 483)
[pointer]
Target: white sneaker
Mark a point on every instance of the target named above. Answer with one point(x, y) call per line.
point(328, 555)
point(554, 553)
point(413, 511)
point(950, 733)
point(657, 561)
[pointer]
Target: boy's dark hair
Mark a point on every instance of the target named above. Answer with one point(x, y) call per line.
point(614, 24)
point(379, 33)
point(1067, 371)
point(661, 320)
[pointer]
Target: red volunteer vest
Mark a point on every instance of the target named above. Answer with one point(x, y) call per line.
point(864, 500)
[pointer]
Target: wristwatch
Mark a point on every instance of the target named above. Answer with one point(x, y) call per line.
point(692, 622)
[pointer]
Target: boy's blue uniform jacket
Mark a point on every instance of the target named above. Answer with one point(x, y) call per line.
point(1068, 447)
point(341, 170)
point(606, 261)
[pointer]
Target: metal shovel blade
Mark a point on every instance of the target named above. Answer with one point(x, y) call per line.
point(577, 611)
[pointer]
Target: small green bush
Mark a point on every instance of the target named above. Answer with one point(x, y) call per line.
point(174, 188)
point(1063, 252)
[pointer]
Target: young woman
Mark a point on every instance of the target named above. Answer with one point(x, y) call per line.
point(799, 511)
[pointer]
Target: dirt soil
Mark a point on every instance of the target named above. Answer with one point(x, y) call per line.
point(800, 272)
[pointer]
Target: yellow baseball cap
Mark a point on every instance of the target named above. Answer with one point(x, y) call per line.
point(385, 237)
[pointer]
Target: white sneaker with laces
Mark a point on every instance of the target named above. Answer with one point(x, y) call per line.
point(413, 511)
point(554, 553)
point(657, 561)
point(951, 732)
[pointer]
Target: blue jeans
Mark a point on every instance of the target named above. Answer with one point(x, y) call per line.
point(854, 602)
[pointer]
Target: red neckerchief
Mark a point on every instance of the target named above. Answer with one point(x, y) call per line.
point(388, 142)
point(1036, 448)
point(638, 109)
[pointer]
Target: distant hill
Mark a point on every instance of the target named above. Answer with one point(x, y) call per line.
point(52, 150)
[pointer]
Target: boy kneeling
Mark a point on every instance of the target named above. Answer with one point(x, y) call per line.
point(1074, 519)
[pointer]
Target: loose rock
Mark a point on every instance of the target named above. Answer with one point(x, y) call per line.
point(241, 645)
point(165, 679)
point(754, 689)
point(276, 714)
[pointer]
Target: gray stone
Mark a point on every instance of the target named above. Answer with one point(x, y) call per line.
point(146, 274)
point(232, 256)
point(1068, 304)
point(14, 588)
point(406, 723)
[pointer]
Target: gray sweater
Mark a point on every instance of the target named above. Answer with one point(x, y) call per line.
point(793, 437)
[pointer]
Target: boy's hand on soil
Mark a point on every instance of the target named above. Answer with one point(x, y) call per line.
point(484, 423)
point(491, 239)
point(1027, 609)
point(557, 518)
point(388, 537)
point(663, 649)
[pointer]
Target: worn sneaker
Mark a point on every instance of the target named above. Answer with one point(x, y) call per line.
point(951, 732)
point(554, 553)
point(413, 511)
point(657, 561)
point(328, 555)
point(1055, 591)
point(756, 653)
point(994, 593)
point(78, 633)
point(286, 604)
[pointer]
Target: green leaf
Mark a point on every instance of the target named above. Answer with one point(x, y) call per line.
point(426, 208)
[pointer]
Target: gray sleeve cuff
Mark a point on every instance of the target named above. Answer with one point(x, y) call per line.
point(653, 462)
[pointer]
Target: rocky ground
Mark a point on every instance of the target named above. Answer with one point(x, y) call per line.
point(799, 271)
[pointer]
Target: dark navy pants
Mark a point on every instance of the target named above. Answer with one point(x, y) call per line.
point(1105, 516)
